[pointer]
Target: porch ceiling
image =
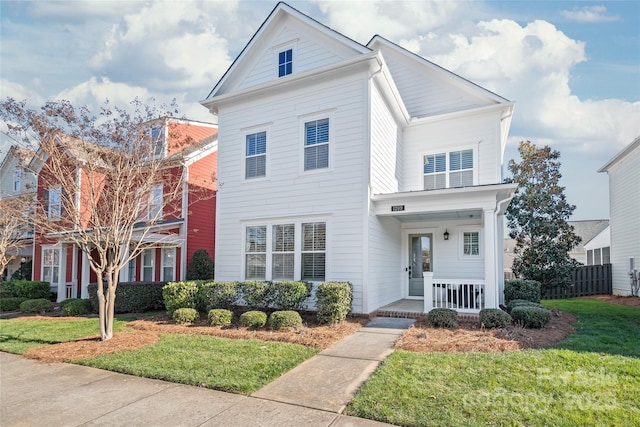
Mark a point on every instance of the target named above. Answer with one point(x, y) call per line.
point(440, 216)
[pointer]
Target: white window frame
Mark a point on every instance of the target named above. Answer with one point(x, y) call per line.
point(17, 179)
point(282, 47)
point(54, 210)
point(155, 203)
point(131, 270)
point(447, 172)
point(297, 223)
point(303, 120)
point(53, 266)
point(159, 142)
point(247, 156)
point(288, 252)
point(304, 251)
point(144, 266)
point(461, 233)
point(253, 252)
point(170, 253)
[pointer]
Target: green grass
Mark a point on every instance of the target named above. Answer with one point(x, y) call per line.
point(592, 378)
point(21, 334)
point(237, 366)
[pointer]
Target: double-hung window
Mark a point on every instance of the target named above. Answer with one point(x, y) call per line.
point(314, 238)
point(283, 252)
point(54, 203)
point(256, 252)
point(17, 176)
point(168, 264)
point(285, 62)
point(256, 155)
point(155, 202)
point(471, 243)
point(448, 170)
point(157, 140)
point(148, 261)
point(51, 265)
point(316, 144)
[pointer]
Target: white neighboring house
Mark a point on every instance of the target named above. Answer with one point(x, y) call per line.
point(368, 164)
point(597, 251)
point(16, 179)
point(624, 207)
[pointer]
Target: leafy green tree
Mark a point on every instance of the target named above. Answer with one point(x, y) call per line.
point(201, 266)
point(537, 218)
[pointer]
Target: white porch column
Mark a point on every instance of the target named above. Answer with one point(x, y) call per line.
point(62, 273)
point(428, 290)
point(84, 290)
point(491, 285)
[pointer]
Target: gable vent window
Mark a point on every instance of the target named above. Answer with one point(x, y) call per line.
point(316, 144)
point(285, 63)
point(256, 160)
point(448, 170)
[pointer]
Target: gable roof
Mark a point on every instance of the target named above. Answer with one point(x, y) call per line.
point(587, 230)
point(279, 12)
point(22, 155)
point(621, 155)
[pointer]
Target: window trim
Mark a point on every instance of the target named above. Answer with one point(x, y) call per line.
point(275, 252)
point(17, 179)
point(56, 189)
point(144, 266)
point(151, 207)
point(43, 265)
point(163, 265)
point(283, 47)
point(473, 229)
point(447, 172)
point(162, 137)
point(245, 156)
point(297, 266)
point(303, 120)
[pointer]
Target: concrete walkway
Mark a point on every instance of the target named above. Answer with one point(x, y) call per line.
point(312, 394)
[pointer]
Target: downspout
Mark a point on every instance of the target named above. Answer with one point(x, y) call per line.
point(500, 274)
point(185, 224)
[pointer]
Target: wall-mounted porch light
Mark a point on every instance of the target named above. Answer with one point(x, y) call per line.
point(446, 234)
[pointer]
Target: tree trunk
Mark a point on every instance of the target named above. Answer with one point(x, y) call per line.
point(101, 309)
point(110, 312)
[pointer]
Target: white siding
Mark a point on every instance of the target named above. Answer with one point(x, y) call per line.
point(27, 180)
point(624, 194)
point(480, 132)
point(385, 266)
point(425, 92)
point(311, 50)
point(336, 195)
point(386, 155)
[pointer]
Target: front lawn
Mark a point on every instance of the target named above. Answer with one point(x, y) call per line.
point(21, 334)
point(592, 378)
point(237, 366)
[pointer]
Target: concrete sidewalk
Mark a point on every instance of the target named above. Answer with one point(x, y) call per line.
point(312, 394)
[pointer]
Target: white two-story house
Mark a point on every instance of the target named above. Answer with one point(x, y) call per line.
point(339, 161)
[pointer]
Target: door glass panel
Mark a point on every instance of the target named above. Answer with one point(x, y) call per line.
point(420, 261)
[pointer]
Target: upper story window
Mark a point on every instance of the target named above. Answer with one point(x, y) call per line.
point(316, 144)
point(157, 139)
point(54, 202)
point(285, 62)
point(155, 202)
point(448, 170)
point(256, 155)
point(17, 178)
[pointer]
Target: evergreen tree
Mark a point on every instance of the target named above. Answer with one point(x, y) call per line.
point(201, 266)
point(537, 218)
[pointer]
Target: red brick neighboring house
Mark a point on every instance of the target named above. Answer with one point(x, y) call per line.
point(184, 227)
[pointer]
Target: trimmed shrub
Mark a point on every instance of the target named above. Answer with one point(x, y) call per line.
point(11, 303)
point(253, 319)
point(201, 266)
point(521, 302)
point(34, 306)
point(494, 318)
point(280, 320)
point(217, 295)
point(220, 316)
point(333, 301)
point(522, 289)
point(185, 315)
point(531, 317)
point(31, 289)
point(132, 297)
point(6, 290)
point(288, 295)
point(75, 307)
point(255, 294)
point(443, 318)
point(180, 295)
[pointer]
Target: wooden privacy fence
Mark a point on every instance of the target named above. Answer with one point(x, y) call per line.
point(585, 281)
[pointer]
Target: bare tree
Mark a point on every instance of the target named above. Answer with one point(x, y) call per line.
point(15, 228)
point(105, 183)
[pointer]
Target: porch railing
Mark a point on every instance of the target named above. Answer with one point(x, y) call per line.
point(462, 295)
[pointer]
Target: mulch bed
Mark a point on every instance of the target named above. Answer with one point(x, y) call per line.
point(468, 336)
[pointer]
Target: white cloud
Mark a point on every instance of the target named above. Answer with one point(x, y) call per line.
point(532, 65)
point(589, 14)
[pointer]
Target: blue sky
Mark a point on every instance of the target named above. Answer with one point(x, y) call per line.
point(573, 68)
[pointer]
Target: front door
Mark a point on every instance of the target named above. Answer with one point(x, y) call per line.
point(420, 260)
